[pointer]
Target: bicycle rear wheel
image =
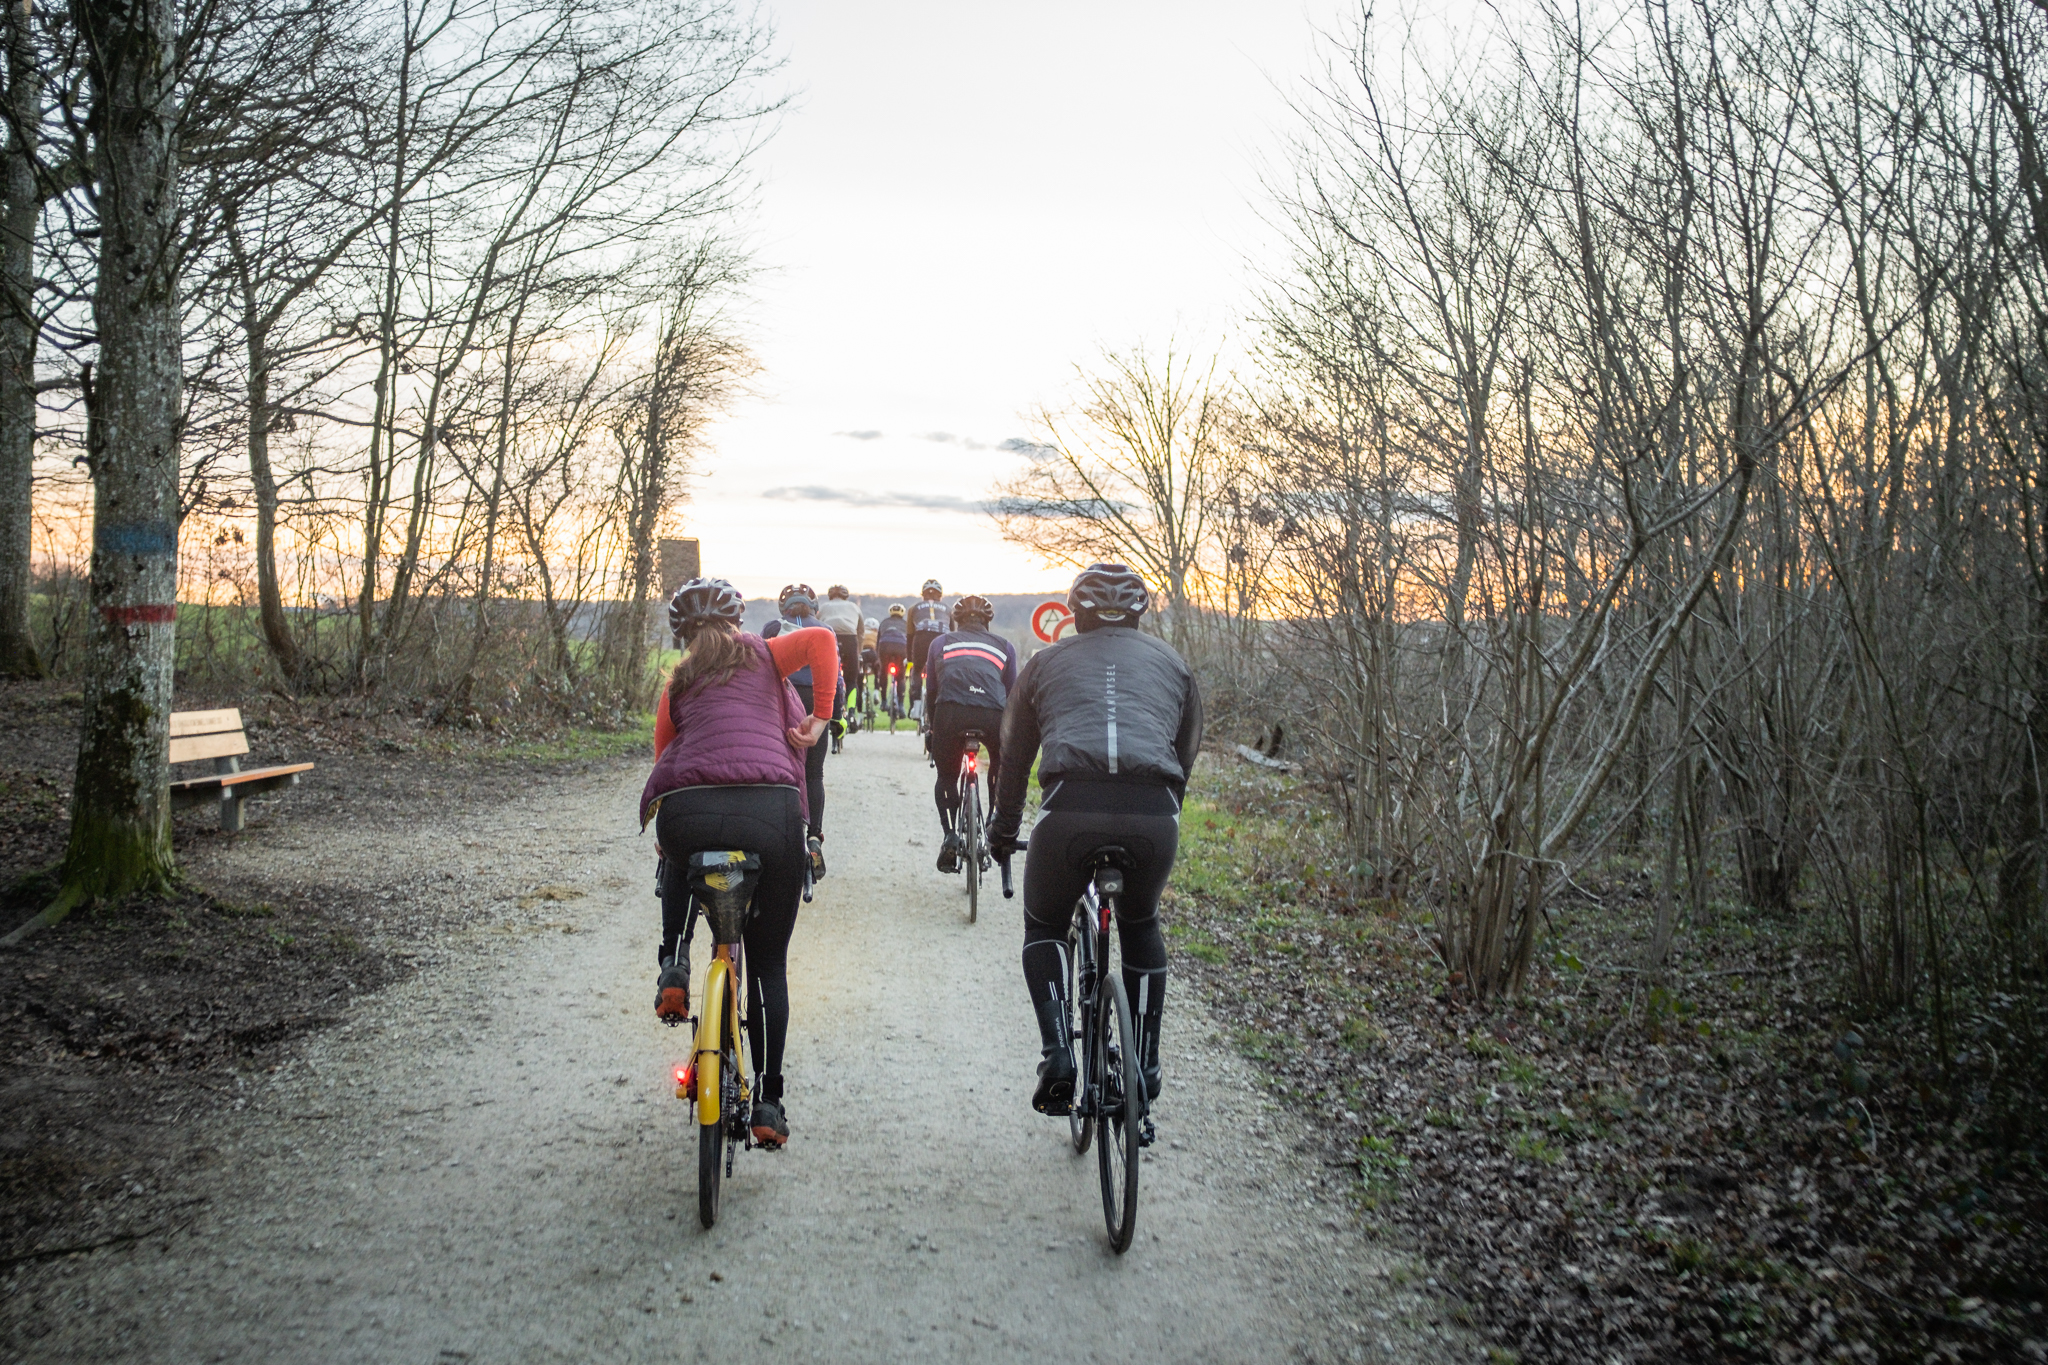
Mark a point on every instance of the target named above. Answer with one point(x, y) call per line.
point(1123, 1110)
point(1080, 1125)
point(711, 1147)
point(970, 836)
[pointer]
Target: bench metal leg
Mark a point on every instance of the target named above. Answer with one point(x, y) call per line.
point(231, 810)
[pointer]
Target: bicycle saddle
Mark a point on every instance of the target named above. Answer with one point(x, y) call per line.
point(723, 885)
point(1108, 865)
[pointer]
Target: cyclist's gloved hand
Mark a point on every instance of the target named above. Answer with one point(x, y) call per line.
point(1002, 834)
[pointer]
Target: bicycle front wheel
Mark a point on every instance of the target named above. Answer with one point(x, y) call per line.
point(1123, 1110)
point(970, 835)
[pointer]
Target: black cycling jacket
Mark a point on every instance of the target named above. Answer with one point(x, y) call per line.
point(1114, 705)
point(930, 618)
point(971, 667)
point(892, 634)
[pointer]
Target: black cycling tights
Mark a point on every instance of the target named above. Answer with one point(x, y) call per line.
point(951, 720)
point(762, 820)
point(1077, 821)
point(814, 767)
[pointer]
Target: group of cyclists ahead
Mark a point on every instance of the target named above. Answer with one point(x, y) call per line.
point(1111, 716)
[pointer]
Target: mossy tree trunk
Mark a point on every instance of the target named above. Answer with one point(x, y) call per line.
point(20, 204)
point(120, 803)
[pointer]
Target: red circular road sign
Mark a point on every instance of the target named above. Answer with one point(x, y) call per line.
point(1049, 620)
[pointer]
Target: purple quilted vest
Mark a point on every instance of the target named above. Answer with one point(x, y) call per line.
point(731, 734)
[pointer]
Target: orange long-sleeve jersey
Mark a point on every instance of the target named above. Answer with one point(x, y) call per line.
point(817, 649)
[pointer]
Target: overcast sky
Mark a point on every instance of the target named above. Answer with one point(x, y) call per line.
point(962, 202)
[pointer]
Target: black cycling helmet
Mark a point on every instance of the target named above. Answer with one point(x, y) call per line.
point(1107, 595)
point(973, 608)
point(796, 593)
point(932, 589)
point(701, 600)
point(838, 592)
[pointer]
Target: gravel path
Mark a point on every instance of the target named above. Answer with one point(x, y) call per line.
point(486, 1163)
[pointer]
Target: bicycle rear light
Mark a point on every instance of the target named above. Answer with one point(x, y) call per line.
point(686, 1081)
point(973, 762)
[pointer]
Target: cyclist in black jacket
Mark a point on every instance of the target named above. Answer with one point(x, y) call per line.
point(929, 619)
point(1115, 720)
point(968, 674)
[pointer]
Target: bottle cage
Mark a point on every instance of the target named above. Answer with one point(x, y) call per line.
point(722, 885)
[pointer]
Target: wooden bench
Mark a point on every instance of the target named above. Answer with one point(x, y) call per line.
point(218, 735)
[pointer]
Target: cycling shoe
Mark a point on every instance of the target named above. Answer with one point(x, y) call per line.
point(672, 994)
point(1055, 1092)
point(771, 1125)
point(949, 853)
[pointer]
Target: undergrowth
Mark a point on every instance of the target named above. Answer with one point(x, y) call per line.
point(1732, 1161)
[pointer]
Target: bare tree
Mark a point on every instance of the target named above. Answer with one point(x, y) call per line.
point(20, 209)
point(120, 804)
point(1131, 474)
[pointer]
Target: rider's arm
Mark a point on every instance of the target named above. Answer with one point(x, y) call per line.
point(927, 671)
point(817, 649)
point(1188, 743)
point(664, 725)
point(1020, 751)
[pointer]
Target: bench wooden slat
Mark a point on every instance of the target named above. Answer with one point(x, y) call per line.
point(263, 774)
point(209, 746)
point(212, 781)
point(184, 723)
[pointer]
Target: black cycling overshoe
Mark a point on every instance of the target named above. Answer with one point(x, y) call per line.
point(770, 1124)
point(1151, 988)
point(672, 994)
point(1055, 1092)
point(949, 853)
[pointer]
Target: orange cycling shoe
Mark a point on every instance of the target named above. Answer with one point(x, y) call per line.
point(672, 994)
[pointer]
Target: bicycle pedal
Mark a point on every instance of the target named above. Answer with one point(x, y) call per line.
point(1146, 1135)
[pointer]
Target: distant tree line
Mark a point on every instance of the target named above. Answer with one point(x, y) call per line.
point(383, 334)
point(1646, 452)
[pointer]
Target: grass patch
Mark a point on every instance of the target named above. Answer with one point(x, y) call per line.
point(574, 745)
point(1381, 1168)
point(1198, 944)
point(1360, 1034)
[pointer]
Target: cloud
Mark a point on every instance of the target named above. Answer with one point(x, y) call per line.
point(859, 435)
point(861, 497)
point(1030, 450)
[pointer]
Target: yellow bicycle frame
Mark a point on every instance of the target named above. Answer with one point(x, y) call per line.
point(718, 1002)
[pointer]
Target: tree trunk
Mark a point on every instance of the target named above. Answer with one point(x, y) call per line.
point(277, 632)
point(18, 213)
point(120, 802)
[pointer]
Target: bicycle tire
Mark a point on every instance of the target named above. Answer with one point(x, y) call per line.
point(1123, 1111)
point(1079, 1126)
point(970, 829)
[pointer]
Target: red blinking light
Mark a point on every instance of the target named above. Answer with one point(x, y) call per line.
point(973, 763)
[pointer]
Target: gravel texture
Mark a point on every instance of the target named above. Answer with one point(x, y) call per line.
point(485, 1161)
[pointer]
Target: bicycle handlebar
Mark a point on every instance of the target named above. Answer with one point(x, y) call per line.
point(1009, 891)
